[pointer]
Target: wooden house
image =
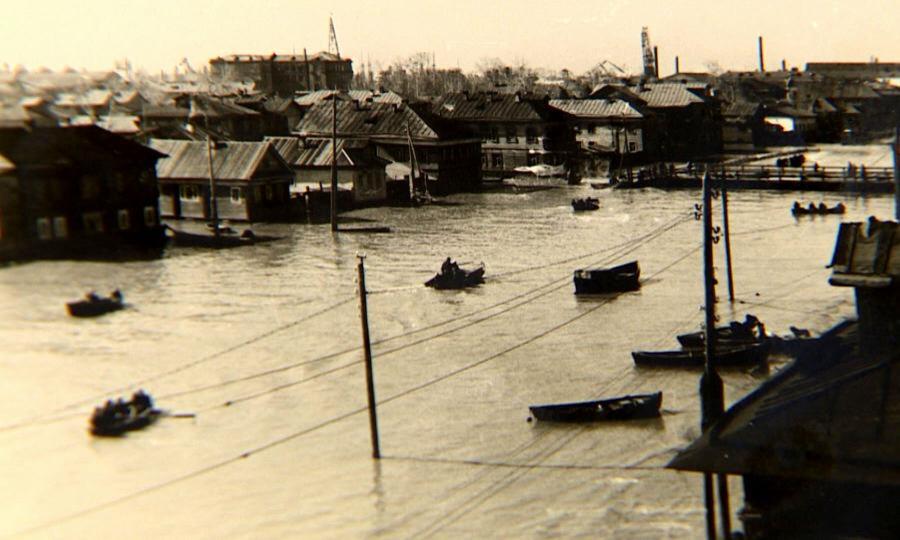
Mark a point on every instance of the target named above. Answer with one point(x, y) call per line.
point(517, 130)
point(75, 192)
point(448, 155)
point(252, 180)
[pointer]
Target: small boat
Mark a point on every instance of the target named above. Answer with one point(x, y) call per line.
point(542, 170)
point(743, 355)
point(821, 209)
point(587, 204)
point(225, 239)
point(116, 417)
point(620, 408)
point(94, 306)
point(457, 278)
point(625, 277)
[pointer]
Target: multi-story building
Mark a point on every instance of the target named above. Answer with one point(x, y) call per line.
point(285, 74)
point(516, 130)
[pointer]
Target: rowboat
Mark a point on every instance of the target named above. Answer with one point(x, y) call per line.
point(585, 205)
point(742, 355)
point(620, 408)
point(625, 277)
point(116, 417)
point(459, 278)
point(94, 306)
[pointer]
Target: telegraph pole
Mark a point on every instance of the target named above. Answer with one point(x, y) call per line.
point(712, 393)
point(367, 348)
point(334, 182)
point(727, 240)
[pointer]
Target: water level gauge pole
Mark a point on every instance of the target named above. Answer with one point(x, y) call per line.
point(367, 348)
point(725, 231)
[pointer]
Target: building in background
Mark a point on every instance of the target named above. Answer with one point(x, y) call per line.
point(284, 74)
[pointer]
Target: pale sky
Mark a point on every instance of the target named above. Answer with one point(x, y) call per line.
point(573, 34)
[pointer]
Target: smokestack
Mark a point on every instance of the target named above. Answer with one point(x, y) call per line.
point(762, 63)
point(676, 65)
point(656, 61)
point(783, 65)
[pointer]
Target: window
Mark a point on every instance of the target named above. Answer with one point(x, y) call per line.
point(498, 161)
point(511, 135)
point(149, 216)
point(632, 146)
point(44, 231)
point(530, 135)
point(269, 192)
point(257, 193)
point(93, 222)
point(495, 135)
point(485, 160)
point(189, 192)
point(60, 227)
point(90, 187)
point(592, 129)
point(124, 220)
point(237, 195)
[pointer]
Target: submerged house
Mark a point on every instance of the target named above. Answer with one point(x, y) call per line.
point(517, 130)
point(76, 192)
point(818, 445)
point(252, 180)
point(448, 155)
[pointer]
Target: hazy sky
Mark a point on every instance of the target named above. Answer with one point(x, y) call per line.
point(573, 34)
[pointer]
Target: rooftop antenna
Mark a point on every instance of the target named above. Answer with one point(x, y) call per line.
point(332, 38)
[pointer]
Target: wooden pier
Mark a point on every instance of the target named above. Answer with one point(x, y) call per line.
point(826, 179)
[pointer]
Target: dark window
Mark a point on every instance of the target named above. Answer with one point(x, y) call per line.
point(530, 135)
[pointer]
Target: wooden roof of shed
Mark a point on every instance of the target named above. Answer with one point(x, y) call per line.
point(232, 160)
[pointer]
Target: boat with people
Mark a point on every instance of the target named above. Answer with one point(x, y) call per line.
point(585, 205)
point(94, 305)
point(630, 407)
point(452, 276)
point(226, 238)
point(751, 330)
point(738, 355)
point(114, 418)
point(622, 278)
point(821, 209)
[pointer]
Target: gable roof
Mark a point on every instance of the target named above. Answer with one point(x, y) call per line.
point(496, 107)
point(50, 146)
point(349, 154)
point(231, 161)
point(597, 108)
point(379, 120)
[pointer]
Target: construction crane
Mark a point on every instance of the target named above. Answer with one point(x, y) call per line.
point(332, 39)
point(649, 59)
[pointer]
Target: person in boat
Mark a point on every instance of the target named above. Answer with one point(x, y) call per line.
point(116, 295)
point(796, 208)
point(840, 207)
point(141, 400)
point(447, 267)
point(92, 296)
point(823, 207)
point(811, 207)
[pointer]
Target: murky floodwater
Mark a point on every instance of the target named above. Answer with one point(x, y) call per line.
point(263, 344)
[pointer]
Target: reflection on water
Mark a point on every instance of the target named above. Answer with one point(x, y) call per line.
point(263, 343)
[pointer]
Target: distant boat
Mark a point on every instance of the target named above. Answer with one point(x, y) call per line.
point(457, 279)
point(734, 334)
point(625, 277)
point(116, 417)
point(542, 170)
point(94, 306)
point(752, 354)
point(821, 209)
point(586, 204)
point(211, 240)
point(620, 408)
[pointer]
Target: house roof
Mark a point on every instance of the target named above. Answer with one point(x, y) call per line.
point(349, 153)
point(496, 107)
point(597, 108)
point(666, 95)
point(740, 109)
point(319, 56)
point(308, 99)
point(51, 146)
point(384, 120)
point(231, 160)
point(287, 147)
point(91, 98)
point(867, 254)
point(6, 165)
point(833, 415)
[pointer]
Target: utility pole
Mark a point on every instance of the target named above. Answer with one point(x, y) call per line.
point(367, 348)
point(712, 393)
point(896, 148)
point(727, 240)
point(334, 171)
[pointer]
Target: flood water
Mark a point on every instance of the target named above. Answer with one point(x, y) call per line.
point(263, 344)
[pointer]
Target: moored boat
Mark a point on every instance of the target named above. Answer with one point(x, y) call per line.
point(94, 306)
point(620, 408)
point(743, 355)
point(821, 209)
point(625, 277)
